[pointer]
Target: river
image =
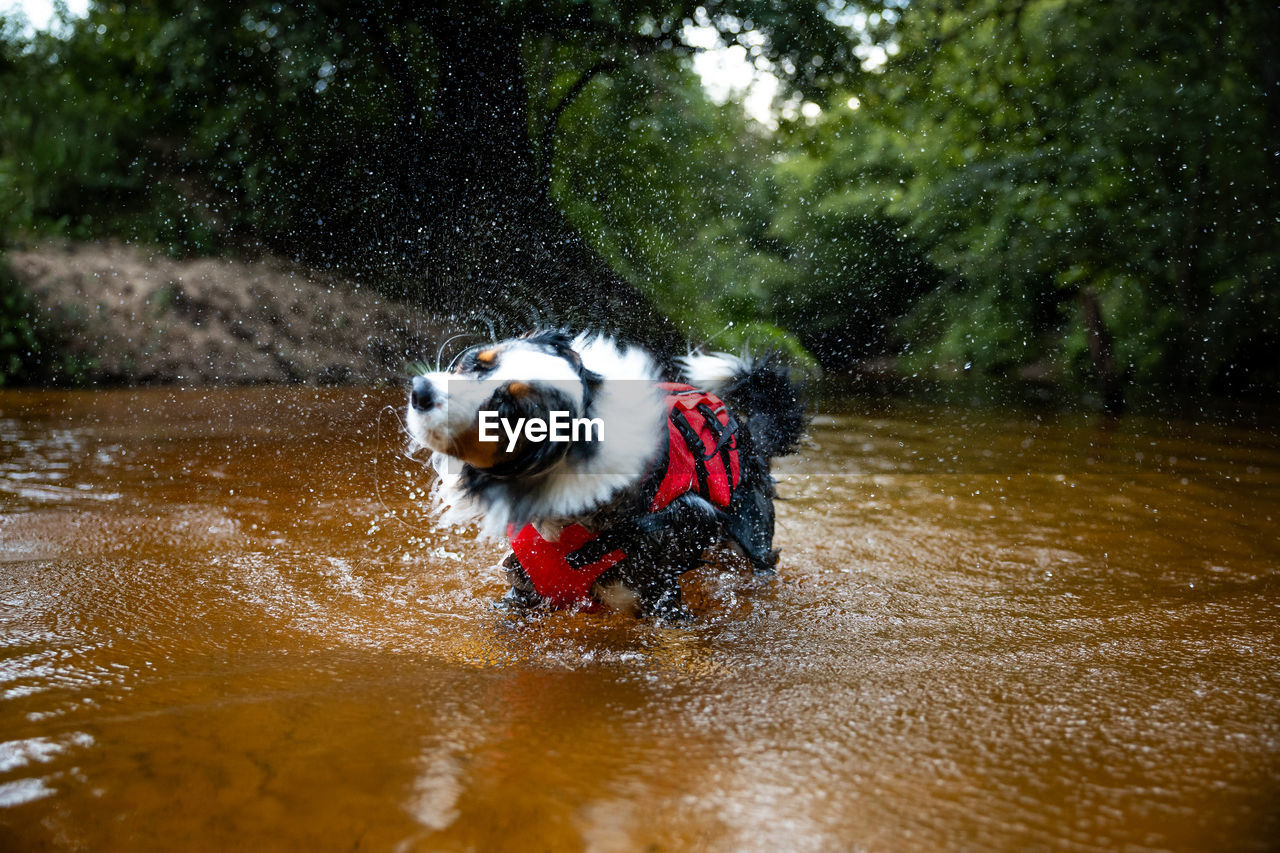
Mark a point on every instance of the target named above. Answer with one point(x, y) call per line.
point(228, 621)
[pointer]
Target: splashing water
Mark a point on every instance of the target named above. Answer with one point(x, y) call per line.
point(229, 620)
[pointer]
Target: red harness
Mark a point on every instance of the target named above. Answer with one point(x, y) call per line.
point(702, 457)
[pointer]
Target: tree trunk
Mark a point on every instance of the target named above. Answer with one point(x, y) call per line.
point(482, 234)
point(1101, 353)
point(1190, 355)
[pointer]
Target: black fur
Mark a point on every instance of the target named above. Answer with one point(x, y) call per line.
point(775, 412)
point(662, 546)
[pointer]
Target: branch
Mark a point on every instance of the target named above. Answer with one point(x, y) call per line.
point(547, 144)
point(640, 43)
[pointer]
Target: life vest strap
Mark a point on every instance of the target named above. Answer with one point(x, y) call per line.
point(563, 571)
point(696, 448)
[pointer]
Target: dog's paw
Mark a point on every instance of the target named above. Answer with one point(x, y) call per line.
point(767, 568)
point(517, 601)
point(668, 607)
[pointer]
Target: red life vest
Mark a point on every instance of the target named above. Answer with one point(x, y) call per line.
point(702, 457)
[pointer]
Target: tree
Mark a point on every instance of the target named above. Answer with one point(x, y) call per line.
point(851, 273)
point(397, 139)
point(1076, 172)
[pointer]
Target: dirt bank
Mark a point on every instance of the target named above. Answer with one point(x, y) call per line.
point(134, 316)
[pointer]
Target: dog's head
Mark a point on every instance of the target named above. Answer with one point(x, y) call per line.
point(486, 410)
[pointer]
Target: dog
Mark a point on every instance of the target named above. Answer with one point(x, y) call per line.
point(613, 514)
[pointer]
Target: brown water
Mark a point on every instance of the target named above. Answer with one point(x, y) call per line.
point(227, 622)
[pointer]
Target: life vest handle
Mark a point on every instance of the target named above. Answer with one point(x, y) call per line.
point(696, 448)
point(724, 433)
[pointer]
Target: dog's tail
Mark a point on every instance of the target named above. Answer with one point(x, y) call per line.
point(757, 388)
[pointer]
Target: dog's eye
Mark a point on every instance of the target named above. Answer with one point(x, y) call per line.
point(487, 359)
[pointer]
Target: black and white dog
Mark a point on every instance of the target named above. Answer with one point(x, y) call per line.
point(610, 483)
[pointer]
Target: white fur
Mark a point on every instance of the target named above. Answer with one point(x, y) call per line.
point(711, 371)
point(628, 402)
point(458, 398)
point(618, 596)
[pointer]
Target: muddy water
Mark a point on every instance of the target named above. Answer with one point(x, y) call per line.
point(229, 623)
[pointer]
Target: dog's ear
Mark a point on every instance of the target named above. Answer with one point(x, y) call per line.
point(562, 343)
point(558, 339)
point(517, 400)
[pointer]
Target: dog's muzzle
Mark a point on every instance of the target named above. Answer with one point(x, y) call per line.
point(422, 396)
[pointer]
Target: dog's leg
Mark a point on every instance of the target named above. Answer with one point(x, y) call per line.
point(664, 602)
point(617, 594)
point(642, 587)
point(750, 524)
point(522, 595)
point(674, 541)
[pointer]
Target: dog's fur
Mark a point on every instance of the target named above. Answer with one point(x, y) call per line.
point(602, 484)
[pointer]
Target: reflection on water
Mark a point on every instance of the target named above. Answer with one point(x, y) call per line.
point(228, 621)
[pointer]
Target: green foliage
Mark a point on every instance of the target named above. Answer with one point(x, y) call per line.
point(1034, 149)
point(18, 338)
point(204, 126)
point(30, 350)
point(669, 189)
point(850, 269)
point(216, 127)
point(187, 125)
point(1007, 157)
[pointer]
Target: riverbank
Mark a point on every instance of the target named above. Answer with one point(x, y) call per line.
point(106, 314)
point(123, 315)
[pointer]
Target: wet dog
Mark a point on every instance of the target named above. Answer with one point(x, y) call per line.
point(610, 482)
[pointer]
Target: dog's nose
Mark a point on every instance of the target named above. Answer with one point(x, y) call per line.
point(423, 396)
